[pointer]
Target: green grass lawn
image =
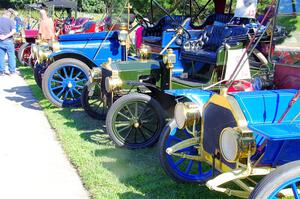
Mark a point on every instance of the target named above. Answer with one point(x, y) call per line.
point(107, 171)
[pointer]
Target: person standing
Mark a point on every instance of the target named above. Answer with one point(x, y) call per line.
point(18, 20)
point(46, 28)
point(7, 30)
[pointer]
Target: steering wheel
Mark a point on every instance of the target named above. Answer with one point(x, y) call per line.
point(186, 34)
point(142, 21)
point(179, 36)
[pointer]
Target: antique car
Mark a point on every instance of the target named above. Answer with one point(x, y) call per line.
point(81, 52)
point(63, 69)
point(134, 90)
point(244, 144)
point(30, 34)
point(62, 25)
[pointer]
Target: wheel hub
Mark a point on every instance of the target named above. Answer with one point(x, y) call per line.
point(136, 124)
point(70, 85)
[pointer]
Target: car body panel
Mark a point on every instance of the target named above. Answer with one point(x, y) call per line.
point(266, 107)
point(87, 45)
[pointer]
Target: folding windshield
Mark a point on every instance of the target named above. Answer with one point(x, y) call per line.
point(287, 49)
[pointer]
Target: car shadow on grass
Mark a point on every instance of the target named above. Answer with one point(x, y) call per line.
point(96, 137)
point(79, 120)
point(141, 170)
point(90, 130)
point(23, 96)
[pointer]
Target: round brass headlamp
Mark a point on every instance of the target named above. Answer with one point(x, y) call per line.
point(96, 73)
point(186, 114)
point(54, 45)
point(123, 34)
point(236, 144)
point(229, 144)
point(113, 84)
point(145, 52)
point(43, 55)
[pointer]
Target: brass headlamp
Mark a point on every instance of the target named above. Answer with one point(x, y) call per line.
point(96, 73)
point(186, 114)
point(43, 55)
point(123, 34)
point(169, 59)
point(235, 144)
point(113, 84)
point(145, 52)
point(54, 45)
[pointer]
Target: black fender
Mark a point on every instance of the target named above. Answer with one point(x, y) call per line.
point(166, 100)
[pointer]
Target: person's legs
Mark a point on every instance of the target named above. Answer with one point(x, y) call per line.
point(2, 57)
point(11, 57)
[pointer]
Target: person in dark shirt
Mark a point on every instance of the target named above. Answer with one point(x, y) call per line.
point(7, 30)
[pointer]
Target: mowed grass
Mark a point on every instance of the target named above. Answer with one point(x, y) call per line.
point(107, 171)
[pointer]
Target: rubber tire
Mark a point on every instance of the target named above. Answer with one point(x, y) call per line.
point(162, 155)
point(31, 62)
point(37, 73)
point(276, 178)
point(20, 53)
point(132, 97)
point(53, 67)
point(85, 105)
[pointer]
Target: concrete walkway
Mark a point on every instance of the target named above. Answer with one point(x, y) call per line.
point(32, 162)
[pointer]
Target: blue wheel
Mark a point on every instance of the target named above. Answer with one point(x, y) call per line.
point(181, 169)
point(63, 82)
point(284, 182)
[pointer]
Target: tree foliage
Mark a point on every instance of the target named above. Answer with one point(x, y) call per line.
point(115, 6)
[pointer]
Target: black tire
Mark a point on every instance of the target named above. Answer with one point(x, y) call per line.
point(38, 71)
point(55, 66)
point(91, 101)
point(275, 179)
point(31, 62)
point(151, 106)
point(177, 176)
point(21, 51)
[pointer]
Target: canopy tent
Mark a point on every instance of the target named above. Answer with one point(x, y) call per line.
point(61, 4)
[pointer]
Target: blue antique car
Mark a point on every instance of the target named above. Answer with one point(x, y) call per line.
point(218, 138)
point(66, 69)
point(65, 66)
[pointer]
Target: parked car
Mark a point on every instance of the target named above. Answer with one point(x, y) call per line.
point(29, 34)
point(218, 138)
point(206, 62)
point(83, 52)
point(62, 25)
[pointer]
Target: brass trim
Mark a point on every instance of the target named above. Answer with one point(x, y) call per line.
point(112, 84)
point(231, 104)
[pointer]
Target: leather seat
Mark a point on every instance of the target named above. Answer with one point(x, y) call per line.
point(153, 35)
point(212, 39)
